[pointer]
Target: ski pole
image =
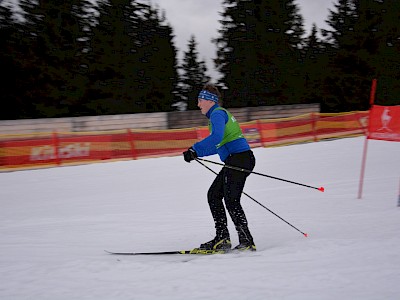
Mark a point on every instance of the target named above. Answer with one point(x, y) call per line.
point(303, 233)
point(321, 189)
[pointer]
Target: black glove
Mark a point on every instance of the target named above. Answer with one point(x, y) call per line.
point(189, 155)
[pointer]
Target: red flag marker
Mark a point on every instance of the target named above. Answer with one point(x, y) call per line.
point(305, 234)
point(321, 189)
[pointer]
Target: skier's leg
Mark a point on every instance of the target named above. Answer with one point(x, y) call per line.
point(234, 182)
point(215, 195)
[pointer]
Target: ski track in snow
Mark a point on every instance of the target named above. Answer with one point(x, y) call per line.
point(56, 223)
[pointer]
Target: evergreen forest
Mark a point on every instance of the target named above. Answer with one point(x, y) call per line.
point(77, 58)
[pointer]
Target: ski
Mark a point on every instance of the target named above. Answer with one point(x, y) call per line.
point(194, 251)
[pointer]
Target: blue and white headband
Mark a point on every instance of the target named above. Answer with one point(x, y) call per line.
point(206, 95)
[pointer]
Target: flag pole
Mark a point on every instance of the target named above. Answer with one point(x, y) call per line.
point(364, 158)
point(363, 163)
point(373, 93)
point(398, 197)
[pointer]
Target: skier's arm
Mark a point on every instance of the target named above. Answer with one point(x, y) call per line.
point(208, 146)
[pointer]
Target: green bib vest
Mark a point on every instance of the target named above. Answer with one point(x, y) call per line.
point(232, 129)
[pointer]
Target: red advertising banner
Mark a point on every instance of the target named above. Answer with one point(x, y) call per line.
point(66, 148)
point(148, 143)
point(55, 151)
point(384, 123)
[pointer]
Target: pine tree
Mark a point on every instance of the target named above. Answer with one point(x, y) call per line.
point(314, 66)
point(258, 52)
point(380, 40)
point(24, 73)
point(236, 57)
point(9, 65)
point(194, 74)
point(111, 53)
point(342, 21)
point(157, 54)
point(363, 41)
point(349, 70)
point(54, 34)
point(132, 60)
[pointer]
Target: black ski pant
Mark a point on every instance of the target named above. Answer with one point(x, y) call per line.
point(228, 186)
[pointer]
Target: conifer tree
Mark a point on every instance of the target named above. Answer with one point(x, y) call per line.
point(132, 59)
point(363, 42)
point(258, 52)
point(53, 33)
point(111, 53)
point(158, 74)
point(379, 39)
point(193, 74)
point(340, 81)
point(314, 66)
point(11, 105)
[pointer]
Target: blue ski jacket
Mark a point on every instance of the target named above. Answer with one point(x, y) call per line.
point(208, 146)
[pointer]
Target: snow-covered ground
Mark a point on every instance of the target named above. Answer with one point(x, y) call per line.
point(55, 224)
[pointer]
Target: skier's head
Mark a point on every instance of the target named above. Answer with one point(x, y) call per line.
point(210, 92)
point(208, 96)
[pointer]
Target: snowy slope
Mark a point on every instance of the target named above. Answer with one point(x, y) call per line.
point(55, 224)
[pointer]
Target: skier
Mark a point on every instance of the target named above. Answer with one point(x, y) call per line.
point(226, 139)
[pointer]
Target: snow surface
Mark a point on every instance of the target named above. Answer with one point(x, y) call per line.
point(55, 224)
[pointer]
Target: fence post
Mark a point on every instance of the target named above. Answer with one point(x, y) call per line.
point(198, 134)
point(314, 126)
point(56, 146)
point(132, 144)
point(2, 155)
point(363, 125)
point(260, 132)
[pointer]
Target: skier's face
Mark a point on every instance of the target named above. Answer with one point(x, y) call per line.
point(205, 105)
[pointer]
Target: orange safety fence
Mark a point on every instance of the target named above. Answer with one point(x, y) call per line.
point(26, 151)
